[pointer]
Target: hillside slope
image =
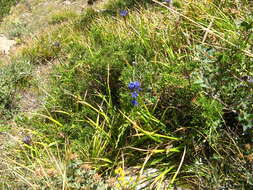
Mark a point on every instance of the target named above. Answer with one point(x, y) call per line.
point(127, 94)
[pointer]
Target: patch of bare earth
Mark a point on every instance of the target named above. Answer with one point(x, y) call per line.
point(34, 98)
point(5, 44)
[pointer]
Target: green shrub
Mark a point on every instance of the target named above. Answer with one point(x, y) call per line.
point(6, 6)
point(13, 77)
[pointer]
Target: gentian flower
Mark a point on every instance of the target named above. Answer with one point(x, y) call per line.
point(168, 1)
point(123, 13)
point(137, 85)
point(131, 85)
point(27, 140)
point(135, 88)
point(135, 94)
point(134, 102)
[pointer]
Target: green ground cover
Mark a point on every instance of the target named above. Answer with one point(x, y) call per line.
point(5, 7)
point(138, 84)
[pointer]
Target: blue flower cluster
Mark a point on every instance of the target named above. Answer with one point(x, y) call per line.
point(135, 87)
point(123, 13)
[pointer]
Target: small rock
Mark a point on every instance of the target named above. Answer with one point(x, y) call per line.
point(6, 44)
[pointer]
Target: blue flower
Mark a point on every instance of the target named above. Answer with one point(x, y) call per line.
point(123, 13)
point(134, 102)
point(168, 1)
point(134, 85)
point(27, 140)
point(135, 88)
point(137, 85)
point(134, 94)
point(131, 85)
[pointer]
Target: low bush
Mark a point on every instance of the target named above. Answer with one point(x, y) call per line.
point(13, 77)
point(6, 6)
